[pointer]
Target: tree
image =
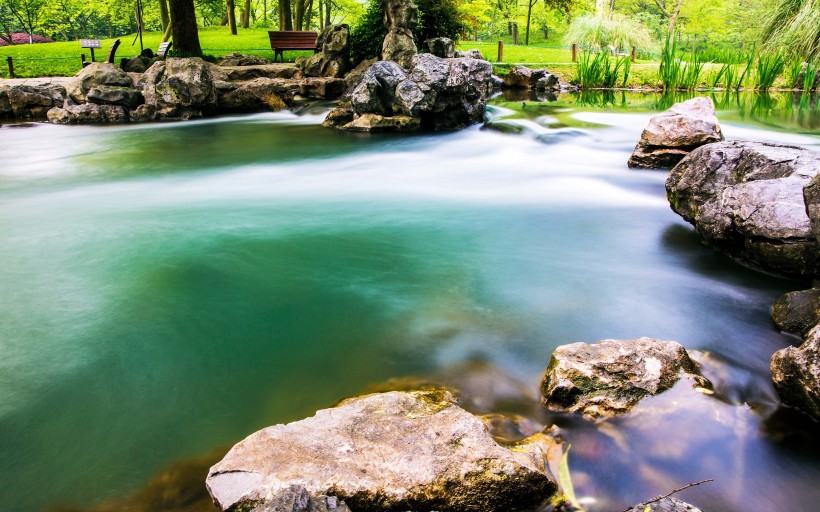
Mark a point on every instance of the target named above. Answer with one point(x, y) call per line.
point(232, 16)
point(183, 27)
point(28, 13)
point(163, 14)
point(6, 23)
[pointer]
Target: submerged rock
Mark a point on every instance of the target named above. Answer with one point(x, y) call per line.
point(673, 134)
point(747, 200)
point(665, 505)
point(796, 374)
point(387, 451)
point(611, 376)
point(797, 312)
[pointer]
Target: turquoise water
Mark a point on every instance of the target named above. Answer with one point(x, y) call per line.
point(169, 289)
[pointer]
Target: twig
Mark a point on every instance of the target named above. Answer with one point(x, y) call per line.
point(679, 489)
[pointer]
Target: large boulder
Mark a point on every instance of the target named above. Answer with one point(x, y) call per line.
point(611, 376)
point(87, 113)
point(386, 451)
point(181, 83)
point(400, 18)
point(797, 312)
point(123, 96)
point(796, 374)
point(332, 57)
point(673, 134)
point(30, 102)
point(95, 75)
point(746, 199)
point(441, 94)
point(522, 77)
point(441, 47)
point(518, 78)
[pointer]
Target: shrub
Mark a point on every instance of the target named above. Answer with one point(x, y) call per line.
point(367, 35)
point(439, 18)
point(593, 31)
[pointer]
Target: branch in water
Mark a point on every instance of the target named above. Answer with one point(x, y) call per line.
point(679, 489)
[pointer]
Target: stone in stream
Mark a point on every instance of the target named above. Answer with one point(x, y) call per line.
point(522, 77)
point(673, 134)
point(87, 113)
point(797, 312)
point(746, 199)
point(665, 505)
point(386, 451)
point(796, 374)
point(610, 377)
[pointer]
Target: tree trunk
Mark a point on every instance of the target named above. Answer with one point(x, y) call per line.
point(232, 16)
point(265, 11)
point(284, 5)
point(163, 14)
point(183, 26)
point(530, 3)
point(246, 23)
point(308, 14)
point(674, 18)
point(300, 14)
point(327, 12)
point(167, 35)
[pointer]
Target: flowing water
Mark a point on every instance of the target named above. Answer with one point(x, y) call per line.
point(169, 289)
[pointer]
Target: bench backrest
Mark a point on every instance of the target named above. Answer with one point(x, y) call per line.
point(112, 52)
point(162, 51)
point(292, 39)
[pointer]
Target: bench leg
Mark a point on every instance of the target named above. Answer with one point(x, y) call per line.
point(278, 53)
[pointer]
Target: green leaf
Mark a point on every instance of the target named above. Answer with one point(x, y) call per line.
point(565, 481)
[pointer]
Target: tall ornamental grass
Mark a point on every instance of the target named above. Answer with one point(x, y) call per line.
point(595, 31)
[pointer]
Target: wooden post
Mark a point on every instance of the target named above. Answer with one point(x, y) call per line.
point(92, 55)
point(500, 52)
point(574, 52)
point(82, 60)
point(11, 66)
point(634, 53)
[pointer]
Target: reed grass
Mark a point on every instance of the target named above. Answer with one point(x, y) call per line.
point(769, 67)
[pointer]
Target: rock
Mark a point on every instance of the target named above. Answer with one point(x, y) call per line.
point(377, 123)
point(87, 113)
point(441, 94)
point(31, 102)
point(665, 505)
point(5, 104)
point(746, 199)
point(400, 18)
point(673, 134)
point(811, 196)
point(796, 374)
point(518, 78)
point(470, 54)
point(326, 88)
point(797, 312)
point(441, 47)
point(338, 117)
point(123, 96)
point(138, 64)
point(611, 376)
point(497, 82)
point(244, 73)
point(332, 58)
point(258, 95)
point(184, 84)
point(386, 451)
point(543, 80)
point(355, 75)
point(94, 75)
point(238, 59)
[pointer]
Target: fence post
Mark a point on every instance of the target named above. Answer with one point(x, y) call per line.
point(500, 51)
point(11, 66)
point(574, 52)
point(634, 53)
point(82, 60)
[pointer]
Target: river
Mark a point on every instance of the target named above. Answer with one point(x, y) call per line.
point(168, 289)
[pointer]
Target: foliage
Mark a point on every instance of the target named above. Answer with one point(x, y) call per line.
point(439, 18)
point(676, 73)
point(367, 36)
point(809, 76)
point(595, 31)
point(794, 24)
point(601, 70)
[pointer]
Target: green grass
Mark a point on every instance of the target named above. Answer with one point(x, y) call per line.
point(63, 58)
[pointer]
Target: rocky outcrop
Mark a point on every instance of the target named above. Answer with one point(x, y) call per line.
point(611, 376)
point(96, 75)
point(239, 59)
point(673, 134)
point(181, 84)
point(747, 200)
point(441, 47)
point(249, 72)
point(87, 113)
point(332, 57)
point(522, 77)
point(664, 505)
point(386, 451)
point(796, 374)
point(438, 94)
point(29, 102)
point(400, 18)
point(797, 312)
point(122, 96)
point(258, 95)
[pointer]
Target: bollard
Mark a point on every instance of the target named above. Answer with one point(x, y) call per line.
point(574, 52)
point(500, 51)
point(11, 66)
point(634, 53)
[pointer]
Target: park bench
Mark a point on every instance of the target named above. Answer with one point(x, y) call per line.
point(163, 49)
point(281, 40)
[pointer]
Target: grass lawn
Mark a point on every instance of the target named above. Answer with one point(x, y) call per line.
point(63, 58)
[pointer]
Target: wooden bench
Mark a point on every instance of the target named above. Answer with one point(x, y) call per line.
point(163, 49)
point(281, 40)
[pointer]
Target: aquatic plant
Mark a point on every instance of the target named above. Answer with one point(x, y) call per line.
point(674, 72)
point(769, 67)
point(810, 75)
point(793, 69)
point(602, 70)
point(691, 71)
